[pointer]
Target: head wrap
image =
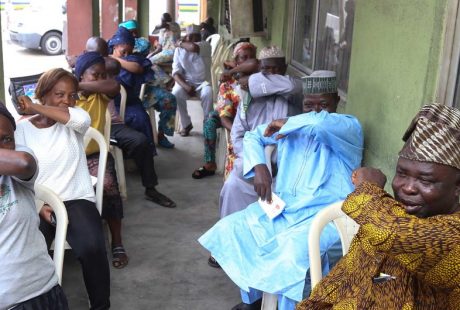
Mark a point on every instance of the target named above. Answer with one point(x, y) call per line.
point(320, 82)
point(122, 36)
point(4, 111)
point(129, 24)
point(141, 46)
point(434, 136)
point(192, 29)
point(271, 52)
point(86, 60)
point(244, 46)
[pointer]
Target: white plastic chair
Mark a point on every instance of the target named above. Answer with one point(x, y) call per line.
point(117, 152)
point(45, 195)
point(269, 301)
point(214, 41)
point(222, 54)
point(94, 134)
point(346, 227)
point(152, 116)
point(177, 125)
point(123, 99)
point(221, 149)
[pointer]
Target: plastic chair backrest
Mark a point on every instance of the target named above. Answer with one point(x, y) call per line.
point(269, 149)
point(123, 99)
point(269, 301)
point(346, 228)
point(214, 40)
point(142, 92)
point(108, 126)
point(46, 195)
point(93, 134)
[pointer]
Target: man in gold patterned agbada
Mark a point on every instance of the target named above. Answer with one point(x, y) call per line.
point(406, 254)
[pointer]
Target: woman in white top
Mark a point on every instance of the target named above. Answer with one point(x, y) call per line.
point(28, 278)
point(55, 134)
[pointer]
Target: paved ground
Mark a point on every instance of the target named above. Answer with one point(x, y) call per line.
point(168, 268)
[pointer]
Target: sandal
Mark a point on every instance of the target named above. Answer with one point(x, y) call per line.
point(153, 195)
point(119, 257)
point(202, 172)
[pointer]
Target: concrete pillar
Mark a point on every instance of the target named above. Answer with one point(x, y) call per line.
point(96, 18)
point(109, 18)
point(79, 25)
point(171, 8)
point(143, 18)
point(130, 9)
point(204, 11)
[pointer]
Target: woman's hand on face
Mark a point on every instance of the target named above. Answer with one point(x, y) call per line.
point(368, 174)
point(228, 65)
point(244, 82)
point(26, 105)
point(45, 213)
point(224, 77)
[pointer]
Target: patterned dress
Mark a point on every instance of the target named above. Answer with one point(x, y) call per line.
point(164, 102)
point(227, 104)
point(167, 39)
point(422, 254)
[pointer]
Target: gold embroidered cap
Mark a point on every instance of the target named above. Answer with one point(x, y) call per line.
point(434, 136)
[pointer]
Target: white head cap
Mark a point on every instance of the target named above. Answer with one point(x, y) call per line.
point(271, 52)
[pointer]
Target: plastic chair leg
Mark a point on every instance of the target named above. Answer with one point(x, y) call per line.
point(120, 168)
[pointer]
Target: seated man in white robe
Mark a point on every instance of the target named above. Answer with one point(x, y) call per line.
point(272, 95)
point(317, 152)
point(191, 70)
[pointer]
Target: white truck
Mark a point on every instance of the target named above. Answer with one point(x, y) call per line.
point(39, 26)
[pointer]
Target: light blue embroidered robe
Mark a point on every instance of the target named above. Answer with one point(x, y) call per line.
point(315, 162)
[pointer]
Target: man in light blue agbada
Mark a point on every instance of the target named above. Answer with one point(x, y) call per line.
point(317, 152)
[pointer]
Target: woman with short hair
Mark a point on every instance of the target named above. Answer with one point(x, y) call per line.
point(55, 134)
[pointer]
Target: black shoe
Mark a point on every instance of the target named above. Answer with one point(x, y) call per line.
point(213, 263)
point(153, 195)
point(186, 131)
point(254, 306)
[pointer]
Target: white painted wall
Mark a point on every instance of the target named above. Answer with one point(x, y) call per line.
point(156, 9)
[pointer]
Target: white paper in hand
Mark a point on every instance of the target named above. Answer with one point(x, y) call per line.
point(273, 209)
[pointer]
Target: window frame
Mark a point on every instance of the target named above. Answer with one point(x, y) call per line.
point(449, 73)
point(294, 67)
